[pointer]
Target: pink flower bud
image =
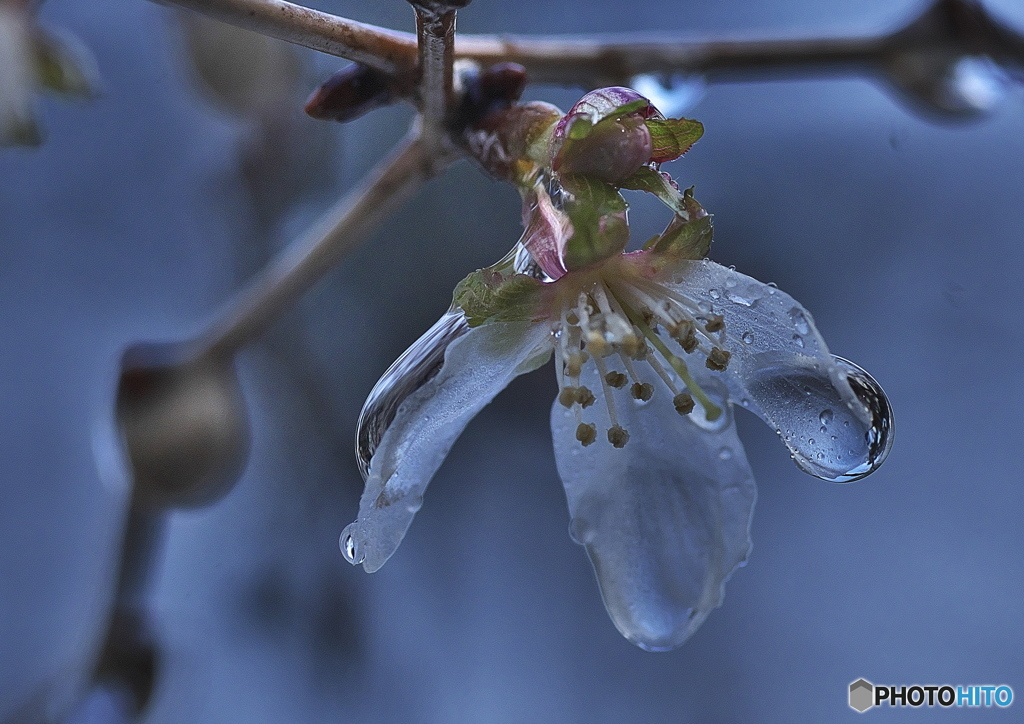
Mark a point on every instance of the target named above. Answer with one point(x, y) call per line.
point(604, 135)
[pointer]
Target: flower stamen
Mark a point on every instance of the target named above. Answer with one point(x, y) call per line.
point(711, 410)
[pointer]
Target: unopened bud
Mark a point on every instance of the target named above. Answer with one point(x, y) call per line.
point(350, 93)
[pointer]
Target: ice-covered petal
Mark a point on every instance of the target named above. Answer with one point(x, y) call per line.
point(666, 518)
point(781, 369)
point(438, 399)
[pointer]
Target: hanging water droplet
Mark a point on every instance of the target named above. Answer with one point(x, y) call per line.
point(725, 453)
point(795, 395)
point(976, 83)
point(350, 549)
point(796, 315)
point(964, 86)
point(748, 338)
point(673, 95)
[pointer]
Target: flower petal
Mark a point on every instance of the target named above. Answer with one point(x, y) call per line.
point(781, 370)
point(665, 519)
point(477, 364)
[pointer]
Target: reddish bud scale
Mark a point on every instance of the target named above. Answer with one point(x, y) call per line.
point(350, 93)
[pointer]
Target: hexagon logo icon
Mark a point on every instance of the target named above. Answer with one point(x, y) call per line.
point(862, 695)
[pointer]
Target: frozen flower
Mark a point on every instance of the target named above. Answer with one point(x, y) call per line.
point(652, 349)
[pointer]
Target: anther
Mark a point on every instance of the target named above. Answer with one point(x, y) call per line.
point(617, 436)
point(574, 363)
point(586, 434)
point(567, 396)
point(597, 345)
point(584, 396)
point(685, 334)
point(715, 323)
point(631, 344)
point(642, 391)
point(689, 342)
point(718, 359)
point(683, 403)
point(616, 380)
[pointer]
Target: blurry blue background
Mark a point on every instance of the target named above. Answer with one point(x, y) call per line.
point(146, 208)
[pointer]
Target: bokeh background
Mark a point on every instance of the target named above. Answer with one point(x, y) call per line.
point(146, 208)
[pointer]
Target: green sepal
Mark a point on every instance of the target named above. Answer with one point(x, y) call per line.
point(672, 137)
point(487, 296)
point(579, 129)
point(685, 238)
point(632, 107)
point(659, 184)
point(597, 213)
point(593, 192)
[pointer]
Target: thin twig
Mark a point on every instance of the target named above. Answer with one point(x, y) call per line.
point(615, 59)
point(386, 50)
point(435, 32)
point(592, 61)
point(307, 260)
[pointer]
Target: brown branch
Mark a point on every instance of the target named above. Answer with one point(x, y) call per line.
point(386, 50)
point(614, 60)
point(307, 260)
point(948, 25)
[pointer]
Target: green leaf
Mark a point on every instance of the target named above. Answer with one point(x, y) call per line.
point(487, 296)
point(673, 137)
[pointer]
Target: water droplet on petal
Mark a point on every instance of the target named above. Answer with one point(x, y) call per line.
point(796, 396)
point(725, 453)
point(826, 416)
point(748, 338)
point(796, 315)
point(714, 294)
point(741, 300)
point(798, 340)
